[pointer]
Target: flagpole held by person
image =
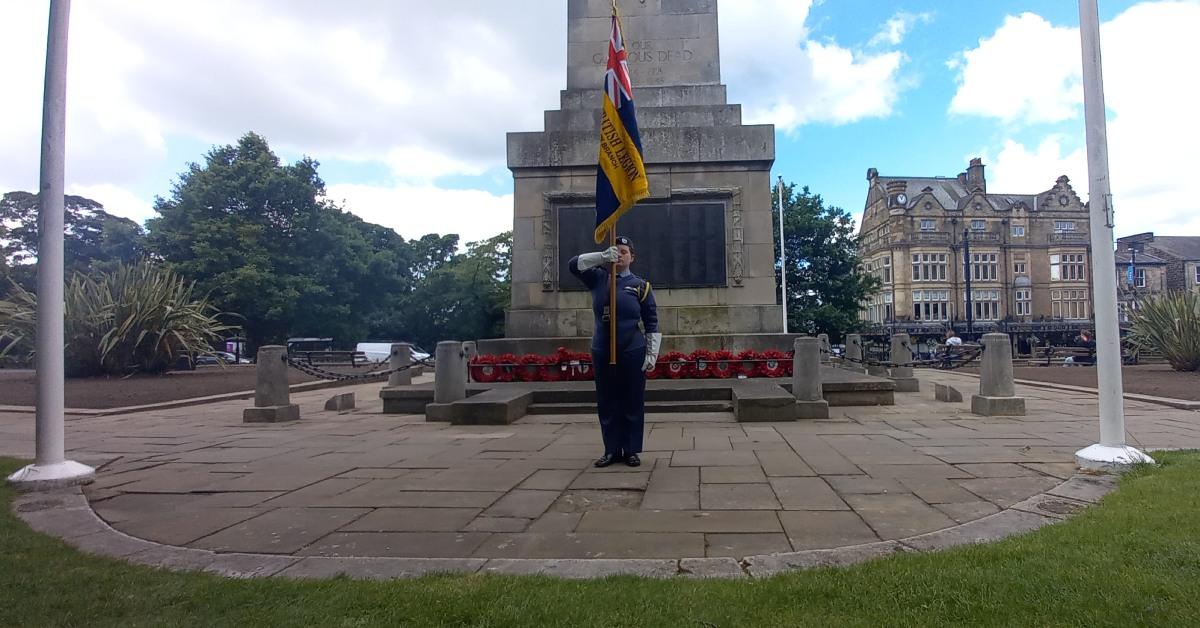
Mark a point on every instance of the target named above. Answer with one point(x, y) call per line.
point(626, 340)
point(621, 172)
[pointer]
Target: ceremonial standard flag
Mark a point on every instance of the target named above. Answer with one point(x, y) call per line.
point(621, 175)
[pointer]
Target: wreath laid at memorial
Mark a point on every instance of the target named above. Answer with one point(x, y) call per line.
point(564, 365)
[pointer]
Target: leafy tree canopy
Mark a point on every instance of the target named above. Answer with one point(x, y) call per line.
point(94, 240)
point(261, 238)
point(824, 282)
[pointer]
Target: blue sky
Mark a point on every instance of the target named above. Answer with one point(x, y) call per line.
point(416, 141)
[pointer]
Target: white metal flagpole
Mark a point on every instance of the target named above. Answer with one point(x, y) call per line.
point(51, 469)
point(782, 260)
point(1111, 452)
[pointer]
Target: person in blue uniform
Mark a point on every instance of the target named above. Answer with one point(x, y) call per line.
point(620, 388)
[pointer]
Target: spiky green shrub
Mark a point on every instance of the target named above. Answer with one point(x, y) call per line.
point(138, 318)
point(1170, 325)
point(17, 324)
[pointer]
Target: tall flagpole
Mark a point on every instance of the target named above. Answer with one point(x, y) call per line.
point(612, 295)
point(51, 469)
point(1111, 452)
point(782, 260)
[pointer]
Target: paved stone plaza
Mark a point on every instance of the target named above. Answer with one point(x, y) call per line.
point(365, 484)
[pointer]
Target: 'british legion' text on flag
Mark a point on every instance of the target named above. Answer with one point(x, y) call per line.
point(621, 175)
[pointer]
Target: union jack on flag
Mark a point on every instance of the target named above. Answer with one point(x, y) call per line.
point(621, 174)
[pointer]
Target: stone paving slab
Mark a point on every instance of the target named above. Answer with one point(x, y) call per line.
point(814, 529)
point(680, 521)
point(397, 544)
point(593, 545)
point(280, 531)
point(369, 486)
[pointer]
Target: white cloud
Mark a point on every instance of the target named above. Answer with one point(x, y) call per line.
point(414, 210)
point(897, 26)
point(1028, 70)
point(372, 81)
point(781, 76)
point(116, 200)
point(426, 89)
point(1152, 133)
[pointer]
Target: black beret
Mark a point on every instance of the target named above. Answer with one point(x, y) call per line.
point(626, 241)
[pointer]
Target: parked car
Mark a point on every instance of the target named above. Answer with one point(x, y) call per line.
point(218, 357)
point(382, 351)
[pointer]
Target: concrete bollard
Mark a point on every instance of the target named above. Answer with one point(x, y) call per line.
point(400, 357)
point(272, 402)
point(997, 391)
point(901, 353)
point(854, 354)
point(340, 402)
point(826, 348)
point(806, 380)
point(450, 372)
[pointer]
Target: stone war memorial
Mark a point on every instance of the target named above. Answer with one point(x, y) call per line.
point(703, 238)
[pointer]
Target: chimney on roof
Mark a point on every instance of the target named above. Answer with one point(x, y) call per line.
point(975, 180)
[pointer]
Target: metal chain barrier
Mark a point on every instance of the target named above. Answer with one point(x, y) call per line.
point(948, 362)
point(321, 373)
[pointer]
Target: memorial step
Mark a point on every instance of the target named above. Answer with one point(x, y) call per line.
point(651, 407)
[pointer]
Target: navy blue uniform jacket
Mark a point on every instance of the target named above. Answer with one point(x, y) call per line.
point(635, 302)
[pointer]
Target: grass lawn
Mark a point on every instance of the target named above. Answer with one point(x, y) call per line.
point(1132, 560)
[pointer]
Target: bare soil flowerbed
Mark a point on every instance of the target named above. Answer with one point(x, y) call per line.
point(18, 387)
point(1158, 380)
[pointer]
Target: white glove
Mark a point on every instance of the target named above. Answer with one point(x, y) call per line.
point(609, 256)
point(653, 344)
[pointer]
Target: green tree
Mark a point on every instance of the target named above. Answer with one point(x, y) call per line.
point(260, 237)
point(824, 282)
point(94, 240)
point(463, 299)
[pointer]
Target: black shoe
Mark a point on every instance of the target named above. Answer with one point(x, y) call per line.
point(606, 460)
point(632, 460)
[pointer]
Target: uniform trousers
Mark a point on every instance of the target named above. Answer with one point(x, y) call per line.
point(620, 400)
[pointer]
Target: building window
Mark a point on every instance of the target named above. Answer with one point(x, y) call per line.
point(1067, 267)
point(931, 305)
point(928, 224)
point(887, 270)
point(1069, 304)
point(1139, 277)
point(1064, 225)
point(1024, 302)
point(986, 304)
point(1018, 231)
point(1198, 274)
point(978, 225)
point(983, 266)
point(929, 267)
point(1018, 268)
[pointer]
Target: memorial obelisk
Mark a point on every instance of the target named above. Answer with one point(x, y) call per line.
point(703, 238)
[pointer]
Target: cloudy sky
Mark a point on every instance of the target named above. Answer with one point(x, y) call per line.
point(406, 103)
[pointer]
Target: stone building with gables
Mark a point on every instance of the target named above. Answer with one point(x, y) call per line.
point(1026, 257)
point(1149, 265)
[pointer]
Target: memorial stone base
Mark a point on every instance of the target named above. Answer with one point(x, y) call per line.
point(271, 414)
